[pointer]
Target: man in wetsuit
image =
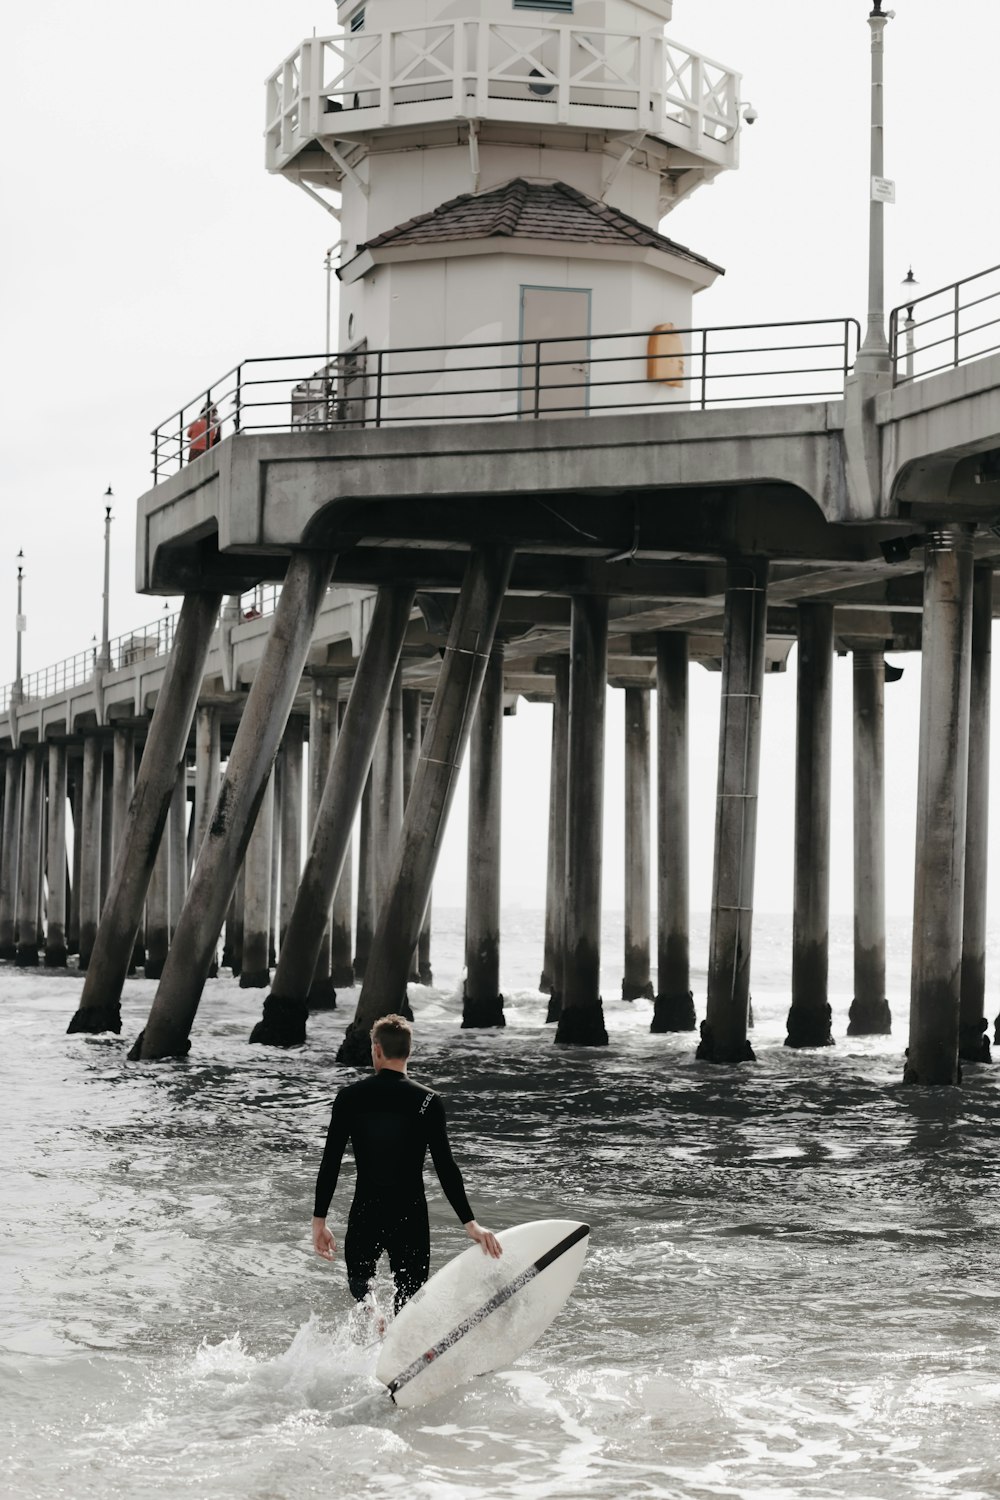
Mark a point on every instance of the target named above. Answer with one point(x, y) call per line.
point(390, 1121)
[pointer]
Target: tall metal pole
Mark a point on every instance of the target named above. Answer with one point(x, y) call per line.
point(19, 624)
point(873, 356)
point(104, 659)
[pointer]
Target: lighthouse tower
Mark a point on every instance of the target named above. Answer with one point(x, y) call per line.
point(500, 169)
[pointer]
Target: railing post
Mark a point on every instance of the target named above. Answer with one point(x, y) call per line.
point(538, 376)
point(378, 389)
point(958, 309)
point(458, 64)
point(704, 368)
point(238, 398)
point(562, 87)
point(482, 65)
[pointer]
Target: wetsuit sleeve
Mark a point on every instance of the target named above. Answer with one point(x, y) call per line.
point(444, 1163)
point(329, 1168)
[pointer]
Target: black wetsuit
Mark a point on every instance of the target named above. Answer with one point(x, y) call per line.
point(390, 1122)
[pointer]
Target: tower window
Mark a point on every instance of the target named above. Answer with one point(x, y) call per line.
point(566, 6)
point(357, 21)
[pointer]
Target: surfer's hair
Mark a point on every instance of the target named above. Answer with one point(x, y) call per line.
point(394, 1035)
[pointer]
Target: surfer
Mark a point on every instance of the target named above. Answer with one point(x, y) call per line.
point(390, 1121)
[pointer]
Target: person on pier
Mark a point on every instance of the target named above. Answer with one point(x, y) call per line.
point(390, 1121)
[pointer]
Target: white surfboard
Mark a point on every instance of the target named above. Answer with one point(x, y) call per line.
point(477, 1314)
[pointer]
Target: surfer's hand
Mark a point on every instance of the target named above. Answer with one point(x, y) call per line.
point(485, 1238)
point(323, 1241)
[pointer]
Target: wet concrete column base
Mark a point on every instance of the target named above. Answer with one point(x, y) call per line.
point(724, 1029)
point(581, 1018)
point(673, 1007)
point(942, 786)
point(810, 1018)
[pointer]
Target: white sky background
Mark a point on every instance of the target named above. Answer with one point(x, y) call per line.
point(146, 251)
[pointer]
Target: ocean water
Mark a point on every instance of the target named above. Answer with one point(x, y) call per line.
point(792, 1290)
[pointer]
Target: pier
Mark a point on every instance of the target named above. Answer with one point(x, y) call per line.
point(434, 528)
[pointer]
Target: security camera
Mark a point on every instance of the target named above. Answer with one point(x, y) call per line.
point(749, 114)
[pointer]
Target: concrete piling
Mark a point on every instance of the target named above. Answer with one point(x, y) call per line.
point(290, 831)
point(255, 973)
point(207, 769)
point(387, 790)
point(470, 641)
point(869, 1013)
point(724, 1029)
point(100, 1008)
point(973, 1041)
point(90, 844)
point(555, 877)
point(673, 1006)
point(412, 731)
point(482, 1002)
point(636, 983)
point(55, 936)
point(29, 863)
point(13, 764)
point(365, 922)
point(323, 720)
point(285, 1011)
point(268, 704)
point(581, 1016)
point(942, 784)
point(810, 1018)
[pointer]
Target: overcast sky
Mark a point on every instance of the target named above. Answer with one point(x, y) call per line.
point(146, 251)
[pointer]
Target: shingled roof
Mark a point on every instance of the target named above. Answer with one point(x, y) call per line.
point(533, 211)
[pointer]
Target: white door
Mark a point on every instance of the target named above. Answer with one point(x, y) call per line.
point(555, 350)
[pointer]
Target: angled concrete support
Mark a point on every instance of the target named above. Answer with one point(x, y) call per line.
point(973, 1044)
point(107, 820)
point(482, 1002)
point(636, 983)
point(470, 641)
point(555, 875)
point(255, 973)
point(724, 1029)
point(673, 1008)
point(254, 749)
point(810, 1018)
point(581, 1016)
point(92, 818)
point(869, 1013)
point(283, 1023)
point(55, 936)
point(10, 851)
point(942, 785)
point(100, 1008)
point(29, 864)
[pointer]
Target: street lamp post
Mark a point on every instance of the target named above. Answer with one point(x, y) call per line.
point(20, 624)
point(909, 282)
point(873, 356)
point(104, 657)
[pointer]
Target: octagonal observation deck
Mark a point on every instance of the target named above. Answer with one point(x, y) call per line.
point(534, 75)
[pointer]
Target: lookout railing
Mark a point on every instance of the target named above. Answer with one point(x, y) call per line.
point(669, 369)
point(145, 642)
point(946, 328)
point(536, 73)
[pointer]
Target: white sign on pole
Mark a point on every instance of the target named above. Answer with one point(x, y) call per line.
point(883, 190)
point(22, 622)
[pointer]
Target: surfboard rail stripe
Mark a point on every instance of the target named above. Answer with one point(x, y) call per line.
point(497, 1300)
